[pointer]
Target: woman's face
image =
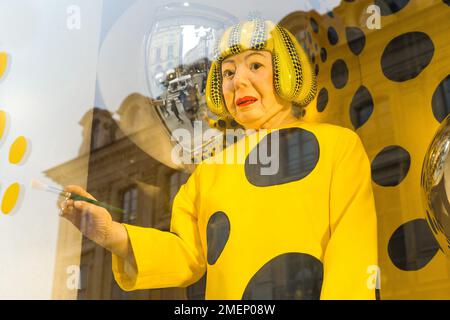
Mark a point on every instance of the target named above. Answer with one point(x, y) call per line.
point(247, 84)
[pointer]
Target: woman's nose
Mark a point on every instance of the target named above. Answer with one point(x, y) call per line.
point(240, 79)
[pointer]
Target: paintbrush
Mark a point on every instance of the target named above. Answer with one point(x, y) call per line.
point(73, 196)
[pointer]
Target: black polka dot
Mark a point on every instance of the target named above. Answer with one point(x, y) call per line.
point(361, 107)
point(339, 74)
point(316, 70)
point(356, 39)
point(406, 56)
point(333, 37)
point(447, 2)
point(323, 54)
point(313, 58)
point(412, 246)
point(314, 25)
point(388, 7)
point(197, 290)
point(330, 14)
point(432, 223)
point(217, 234)
point(390, 166)
point(322, 99)
point(441, 99)
point(297, 157)
point(234, 123)
point(290, 276)
point(222, 123)
point(377, 294)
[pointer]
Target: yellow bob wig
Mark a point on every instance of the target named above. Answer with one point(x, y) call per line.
point(294, 78)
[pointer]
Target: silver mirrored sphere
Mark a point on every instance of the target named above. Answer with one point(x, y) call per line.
point(435, 185)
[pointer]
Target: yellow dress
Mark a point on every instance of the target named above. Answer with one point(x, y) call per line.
point(307, 232)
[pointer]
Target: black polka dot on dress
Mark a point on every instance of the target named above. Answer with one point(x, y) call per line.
point(217, 233)
point(300, 142)
point(301, 280)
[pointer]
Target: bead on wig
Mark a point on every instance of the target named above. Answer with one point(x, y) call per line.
point(293, 76)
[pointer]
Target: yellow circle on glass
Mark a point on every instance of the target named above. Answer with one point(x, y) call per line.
point(10, 198)
point(3, 63)
point(17, 150)
point(2, 123)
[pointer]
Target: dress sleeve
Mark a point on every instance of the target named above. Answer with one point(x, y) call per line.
point(165, 259)
point(351, 253)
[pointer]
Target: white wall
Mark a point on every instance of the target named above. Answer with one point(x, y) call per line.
point(49, 86)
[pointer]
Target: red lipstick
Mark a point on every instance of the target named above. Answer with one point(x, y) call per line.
point(245, 101)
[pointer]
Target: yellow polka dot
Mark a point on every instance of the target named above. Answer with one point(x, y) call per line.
point(2, 123)
point(3, 62)
point(10, 198)
point(17, 150)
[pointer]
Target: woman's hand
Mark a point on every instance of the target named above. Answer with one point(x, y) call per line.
point(93, 221)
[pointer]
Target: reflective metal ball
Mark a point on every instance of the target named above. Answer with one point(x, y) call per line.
point(435, 185)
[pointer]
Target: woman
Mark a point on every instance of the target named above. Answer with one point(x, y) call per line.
point(307, 231)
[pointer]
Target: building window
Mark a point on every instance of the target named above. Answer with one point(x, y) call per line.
point(294, 153)
point(158, 54)
point(86, 269)
point(129, 204)
point(118, 294)
point(170, 52)
point(176, 179)
point(83, 282)
point(96, 131)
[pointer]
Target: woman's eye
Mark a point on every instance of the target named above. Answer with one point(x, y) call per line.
point(227, 73)
point(255, 66)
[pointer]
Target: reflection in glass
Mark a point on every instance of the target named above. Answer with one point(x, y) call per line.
point(177, 70)
point(435, 185)
point(129, 201)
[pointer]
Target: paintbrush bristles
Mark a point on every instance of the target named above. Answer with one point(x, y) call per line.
point(38, 185)
point(42, 186)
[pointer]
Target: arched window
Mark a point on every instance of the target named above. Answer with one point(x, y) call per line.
point(95, 137)
point(130, 205)
point(176, 179)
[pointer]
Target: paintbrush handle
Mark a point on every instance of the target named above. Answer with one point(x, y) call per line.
point(77, 197)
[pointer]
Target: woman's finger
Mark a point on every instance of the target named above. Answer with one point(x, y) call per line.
point(78, 190)
point(68, 212)
point(66, 208)
point(84, 207)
